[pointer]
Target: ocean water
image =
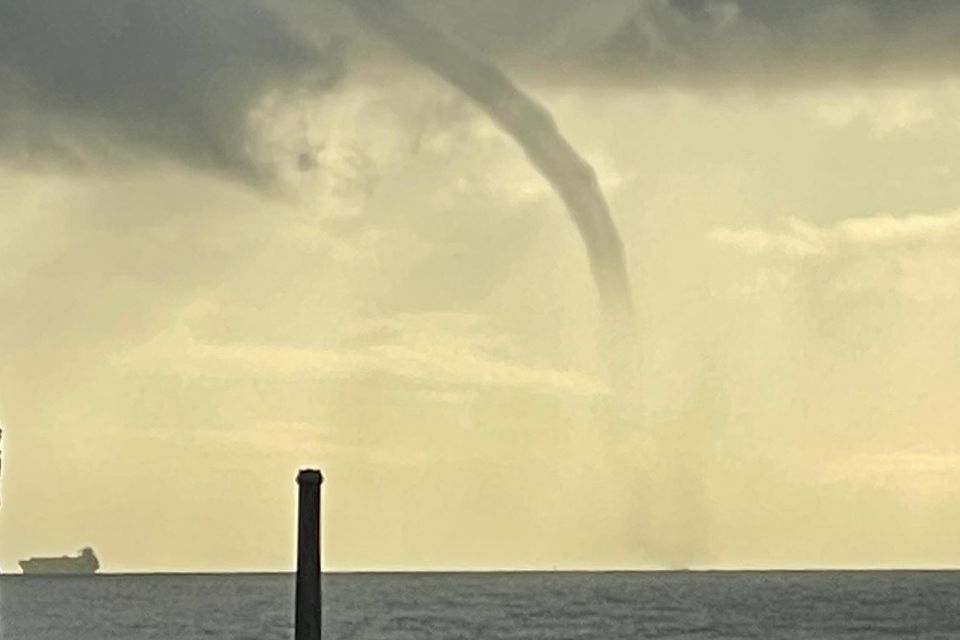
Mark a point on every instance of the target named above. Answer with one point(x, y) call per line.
point(604, 606)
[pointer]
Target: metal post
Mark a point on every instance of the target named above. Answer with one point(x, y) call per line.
point(308, 605)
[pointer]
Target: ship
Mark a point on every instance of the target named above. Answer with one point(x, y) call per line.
point(82, 565)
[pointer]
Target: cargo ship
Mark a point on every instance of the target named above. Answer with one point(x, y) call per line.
point(84, 564)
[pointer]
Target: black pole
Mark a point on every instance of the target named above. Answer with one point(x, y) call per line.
point(308, 606)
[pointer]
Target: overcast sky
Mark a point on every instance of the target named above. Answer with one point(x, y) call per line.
point(238, 237)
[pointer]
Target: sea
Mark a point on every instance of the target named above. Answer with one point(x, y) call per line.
point(512, 606)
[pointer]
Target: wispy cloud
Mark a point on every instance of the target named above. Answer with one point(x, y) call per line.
point(918, 476)
point(433, 354)
point(910, 255)
point(797, 238)
point(885, 112)
point(887, 229)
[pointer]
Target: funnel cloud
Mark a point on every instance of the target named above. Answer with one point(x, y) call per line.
point(532, 127)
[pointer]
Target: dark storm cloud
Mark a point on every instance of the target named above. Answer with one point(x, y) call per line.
point(114, 79)
point(892, 13)
point(82, 79)
point(691, 42)
point(780, 42)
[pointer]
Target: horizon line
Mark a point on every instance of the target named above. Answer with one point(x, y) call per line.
point(373, 572)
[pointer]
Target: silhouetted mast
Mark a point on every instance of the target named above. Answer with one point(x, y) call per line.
point(308, 604)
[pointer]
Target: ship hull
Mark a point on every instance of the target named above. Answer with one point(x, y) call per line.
point(84, 565)
point(56, 567)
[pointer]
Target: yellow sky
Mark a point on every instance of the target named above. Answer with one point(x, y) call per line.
point(415, 314)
